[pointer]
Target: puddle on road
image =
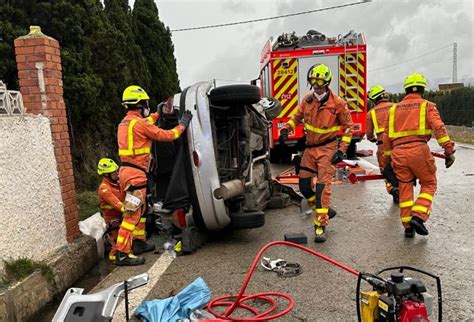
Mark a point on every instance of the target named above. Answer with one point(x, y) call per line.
point(87, 282)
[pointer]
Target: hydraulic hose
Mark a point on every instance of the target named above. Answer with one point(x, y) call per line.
point(239, 299)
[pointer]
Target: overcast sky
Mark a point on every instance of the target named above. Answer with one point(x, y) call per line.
point(395, 31)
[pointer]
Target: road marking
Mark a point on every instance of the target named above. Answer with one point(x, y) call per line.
point(136, 296)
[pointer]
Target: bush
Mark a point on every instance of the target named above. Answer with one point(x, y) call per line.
point(88, 203)
point(456, 107)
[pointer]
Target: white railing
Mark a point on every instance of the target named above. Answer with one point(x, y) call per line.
point(11, 102)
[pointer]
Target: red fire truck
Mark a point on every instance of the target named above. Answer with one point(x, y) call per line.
point(283, 68)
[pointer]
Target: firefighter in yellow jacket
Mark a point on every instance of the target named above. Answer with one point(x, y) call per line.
point(324, 114)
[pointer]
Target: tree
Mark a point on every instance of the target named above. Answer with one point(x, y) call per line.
point(12, 26)
point(133, 67)
point(157, 47)
point(101, 53)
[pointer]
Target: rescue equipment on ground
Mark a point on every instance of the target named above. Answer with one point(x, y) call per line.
point(281, 267)
point(97, 307)
point(347, 171)
point(397, 298)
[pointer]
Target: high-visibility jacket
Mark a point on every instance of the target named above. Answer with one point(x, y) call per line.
point(135, 137)
point(111, 196)
point(376, 118)
point(414, 119)
point(323, 120)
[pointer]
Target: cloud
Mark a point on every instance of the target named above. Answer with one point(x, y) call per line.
point(395, 31)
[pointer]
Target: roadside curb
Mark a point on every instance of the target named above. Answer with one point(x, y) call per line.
point(24, 299)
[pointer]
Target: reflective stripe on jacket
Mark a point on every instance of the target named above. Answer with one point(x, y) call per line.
point(135, 136)
point(414, 119)
point(376, 119)
point(323, 120)
point(111, 196)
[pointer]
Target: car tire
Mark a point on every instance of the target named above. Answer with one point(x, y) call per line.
point(232, 95)
point(247, 219)
point(273, 111)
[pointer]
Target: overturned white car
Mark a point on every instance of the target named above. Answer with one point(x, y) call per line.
point(218, 174)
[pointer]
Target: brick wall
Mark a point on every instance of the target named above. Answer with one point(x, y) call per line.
point(38, 59)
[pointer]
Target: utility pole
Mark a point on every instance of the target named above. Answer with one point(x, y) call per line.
point(455, 62)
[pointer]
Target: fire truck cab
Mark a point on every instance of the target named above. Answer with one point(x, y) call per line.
point(284, 64)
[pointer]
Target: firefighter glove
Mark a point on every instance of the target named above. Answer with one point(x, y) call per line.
point(449, 160)
point(283, 136)
point(389, 174)
point(337, 157)
point(185, 118)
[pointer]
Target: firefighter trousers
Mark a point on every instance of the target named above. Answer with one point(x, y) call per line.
point(316, 162)
point(413, 161)
point(112, 220)
point(133, 225)
point(381, 162)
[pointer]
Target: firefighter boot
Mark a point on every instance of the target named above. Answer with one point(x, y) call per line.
point(123, 259)
point(395, 192)
point(409, 232)
point(320, 234)
point(417, 224)
point(141, 246)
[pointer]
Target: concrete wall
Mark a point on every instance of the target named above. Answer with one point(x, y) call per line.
point(31, 207)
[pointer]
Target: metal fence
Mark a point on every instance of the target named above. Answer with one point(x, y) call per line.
point(11, 102)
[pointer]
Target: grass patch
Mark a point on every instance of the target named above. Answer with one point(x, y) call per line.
point(18, 269)
point(88, 203)
point(461, 134)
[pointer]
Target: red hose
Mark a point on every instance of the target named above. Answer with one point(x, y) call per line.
point(241, 298)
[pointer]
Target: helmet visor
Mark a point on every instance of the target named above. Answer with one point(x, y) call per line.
point(317, 81)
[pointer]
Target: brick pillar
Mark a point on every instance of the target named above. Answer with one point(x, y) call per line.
point(38, 60)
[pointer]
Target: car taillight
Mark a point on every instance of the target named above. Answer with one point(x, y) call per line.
point(196, 159)
point(181, 214)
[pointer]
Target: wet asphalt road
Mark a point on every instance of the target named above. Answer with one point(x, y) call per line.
point(365, 235)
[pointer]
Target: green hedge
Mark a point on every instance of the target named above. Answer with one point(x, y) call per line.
point(456, 107)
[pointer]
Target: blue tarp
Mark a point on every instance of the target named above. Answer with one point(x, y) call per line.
point(194, 296)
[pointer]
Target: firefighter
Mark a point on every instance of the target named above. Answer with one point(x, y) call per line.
point(135, 135)
point(375, 118)
point(324, 114)
point(407, 130)
point(111, 198)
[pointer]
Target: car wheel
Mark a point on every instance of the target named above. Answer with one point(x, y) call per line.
point(247, 219)
point(274, 110)
point(234, 95)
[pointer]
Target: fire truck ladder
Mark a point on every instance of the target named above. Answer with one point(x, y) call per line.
point(355, 77)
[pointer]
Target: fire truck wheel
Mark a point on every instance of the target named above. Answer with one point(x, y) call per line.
point(234, 95)
point(274, 110)
point(275, 155)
